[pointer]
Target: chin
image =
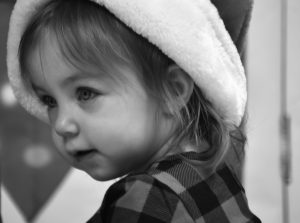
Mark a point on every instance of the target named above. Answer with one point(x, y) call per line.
point(101, 176)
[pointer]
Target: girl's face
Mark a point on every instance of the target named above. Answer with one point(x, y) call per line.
point(105, 127)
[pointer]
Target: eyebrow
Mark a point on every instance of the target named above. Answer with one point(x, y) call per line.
point(37, 88)
point(71, 79)
point(77, 76)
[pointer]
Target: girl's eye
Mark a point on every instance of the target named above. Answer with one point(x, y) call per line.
point(48, 101)
point(85, 94)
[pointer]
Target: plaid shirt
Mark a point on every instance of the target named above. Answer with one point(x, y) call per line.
point(176, 190)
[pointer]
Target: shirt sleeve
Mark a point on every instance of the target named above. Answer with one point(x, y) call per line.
point(141, 199)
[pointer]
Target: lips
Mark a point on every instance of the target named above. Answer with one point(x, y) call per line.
point(84, 154)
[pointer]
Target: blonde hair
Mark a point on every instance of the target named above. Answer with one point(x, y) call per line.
point(89, 34)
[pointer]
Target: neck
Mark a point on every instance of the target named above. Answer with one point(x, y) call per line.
point(171, 147)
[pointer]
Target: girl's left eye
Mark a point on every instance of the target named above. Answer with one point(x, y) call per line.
point(85, 94)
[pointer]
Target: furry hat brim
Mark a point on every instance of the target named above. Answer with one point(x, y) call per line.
point(236, 15)
point(190, 32)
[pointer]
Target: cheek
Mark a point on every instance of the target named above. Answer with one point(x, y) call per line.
point(56, 139)
point(58, 143)
point(119, 135)
point(125, 124)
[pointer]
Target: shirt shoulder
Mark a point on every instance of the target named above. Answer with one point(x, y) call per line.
point(175, 190)
point(141, 198)
point(208, 196)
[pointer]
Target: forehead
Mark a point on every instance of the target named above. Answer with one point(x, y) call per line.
point(46, 61)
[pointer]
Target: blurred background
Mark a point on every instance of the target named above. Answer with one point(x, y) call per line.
point(38, 186)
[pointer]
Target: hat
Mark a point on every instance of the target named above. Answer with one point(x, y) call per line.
point(190, 32)
point(236, 15)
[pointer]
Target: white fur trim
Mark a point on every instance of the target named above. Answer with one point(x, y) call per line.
point(190, 32)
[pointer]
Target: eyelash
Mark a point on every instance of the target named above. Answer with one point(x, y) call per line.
point(83, 94)
point(49, 101)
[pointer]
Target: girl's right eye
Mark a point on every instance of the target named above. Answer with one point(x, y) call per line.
point(48, 101)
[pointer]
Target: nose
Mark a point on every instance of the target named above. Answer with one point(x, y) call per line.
point(66, 124)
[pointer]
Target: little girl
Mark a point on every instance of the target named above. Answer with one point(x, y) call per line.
point(151, 92)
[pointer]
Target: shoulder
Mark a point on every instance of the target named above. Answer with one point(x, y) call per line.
point(176, 190)
point(137, 188)
point(208, 196)
point(141, 198)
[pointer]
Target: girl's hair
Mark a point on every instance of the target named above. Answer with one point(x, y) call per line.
point(88, 34)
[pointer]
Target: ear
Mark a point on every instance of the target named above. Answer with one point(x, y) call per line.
point(181, 82)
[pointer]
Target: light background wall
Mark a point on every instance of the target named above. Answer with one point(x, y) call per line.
point(262, 167)
point(79, 196)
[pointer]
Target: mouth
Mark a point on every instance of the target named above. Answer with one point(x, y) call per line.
point(84, 154)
